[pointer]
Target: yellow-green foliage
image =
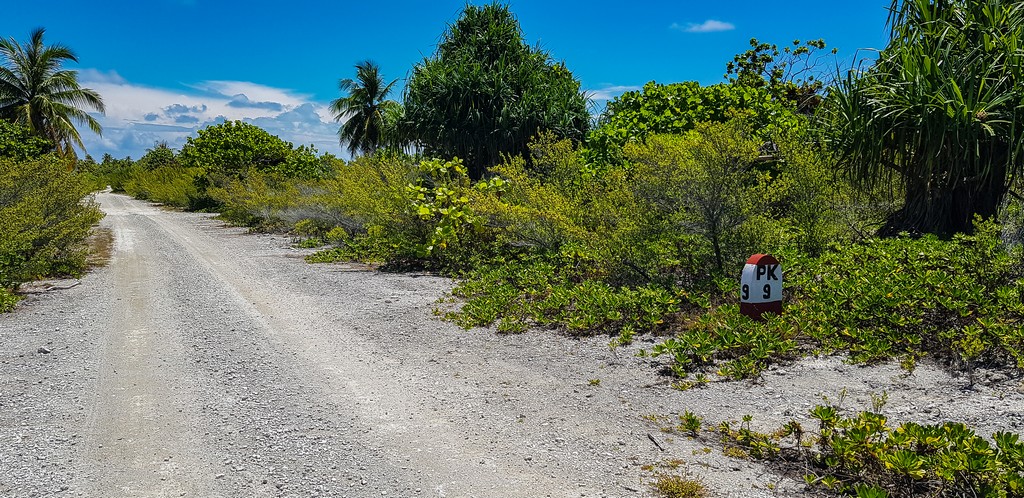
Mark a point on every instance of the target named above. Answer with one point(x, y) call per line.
point(596, 219)
point(440, 200)
point(43, 222)
point(672, 486)
point(171, 185)
point(702, 182)
point(258, 199)
point(367, 198)
point(547, 211)
point(371, 190)
point(364, 207)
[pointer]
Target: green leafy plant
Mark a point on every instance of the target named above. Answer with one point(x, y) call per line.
point(688, 422)
point(673, 486)
point(862, 455)
point(955, 301)
point(18, 143)
point(45, 222)
point(951, 69)
point(486, 92)
point(440, 198)
point(678, 108)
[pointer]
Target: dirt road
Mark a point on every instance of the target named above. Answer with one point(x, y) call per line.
point(204, 361)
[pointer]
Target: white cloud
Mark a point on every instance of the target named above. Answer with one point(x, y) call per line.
point(139, 116)
point(253, 91)
point(709, 26)
point(100, 76)
point(610, 92)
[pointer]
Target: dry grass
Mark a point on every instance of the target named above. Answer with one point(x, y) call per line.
point(673, 486)
point(101, 245)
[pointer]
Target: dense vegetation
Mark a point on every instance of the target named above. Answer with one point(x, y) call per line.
point(862, 454)
point(485, 92)
point(889, 198)
point(940, 111)
point(38, 93)
point(44, 219)
point(640, 227)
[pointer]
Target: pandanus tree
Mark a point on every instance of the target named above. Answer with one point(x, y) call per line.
point(36, 92)
point(940, 111)
point(369, 119)
point(485, 93)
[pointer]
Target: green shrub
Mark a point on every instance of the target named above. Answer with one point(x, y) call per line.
point(19, 143)
point(257, 199)
point(521, 292)
point(7, 300)
point(679, 107)
point(401, 210)
point(234, 148)
point(44, 221)
point(862, 455)
point(700, 182)
point(368, 200)
point(111, 172)
point(956, 301)
point(171, 185)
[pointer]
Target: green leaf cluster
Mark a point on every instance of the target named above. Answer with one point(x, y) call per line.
point(940, 111)
point(233, 148)
point(789, 74)
point(679, 107)
point(19, 143)
point(44, 222)
point(440, 197)
point(523, 292)
point(485, 93)
point(863, 455)
point(957, 301)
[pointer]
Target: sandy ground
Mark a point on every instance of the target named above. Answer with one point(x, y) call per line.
point(204, 361)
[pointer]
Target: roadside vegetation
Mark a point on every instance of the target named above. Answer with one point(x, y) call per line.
point(863, 454)
point(45, 221)
point(44, 214)
point(636, 224)
point(889, 192)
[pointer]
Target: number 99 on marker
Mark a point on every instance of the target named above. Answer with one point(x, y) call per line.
point(761, 286)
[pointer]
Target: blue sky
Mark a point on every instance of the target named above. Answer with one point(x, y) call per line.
point(166, 68)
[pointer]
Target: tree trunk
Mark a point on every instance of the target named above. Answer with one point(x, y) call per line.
point(931, 208)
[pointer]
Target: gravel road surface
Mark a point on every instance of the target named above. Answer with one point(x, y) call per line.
point(204, 361)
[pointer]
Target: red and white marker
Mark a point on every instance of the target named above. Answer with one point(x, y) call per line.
point(761, 286)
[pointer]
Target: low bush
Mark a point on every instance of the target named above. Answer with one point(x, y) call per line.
point(18, 143)
point(403, 210)
point(523, 292)
point(862, 455)
point(959, 301)
point(171, 185)
point(44, 223)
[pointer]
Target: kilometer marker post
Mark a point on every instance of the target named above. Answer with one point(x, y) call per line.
point(761, 287)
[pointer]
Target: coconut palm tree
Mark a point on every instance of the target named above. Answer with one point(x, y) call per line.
point(37, 93)
point(369, 119)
